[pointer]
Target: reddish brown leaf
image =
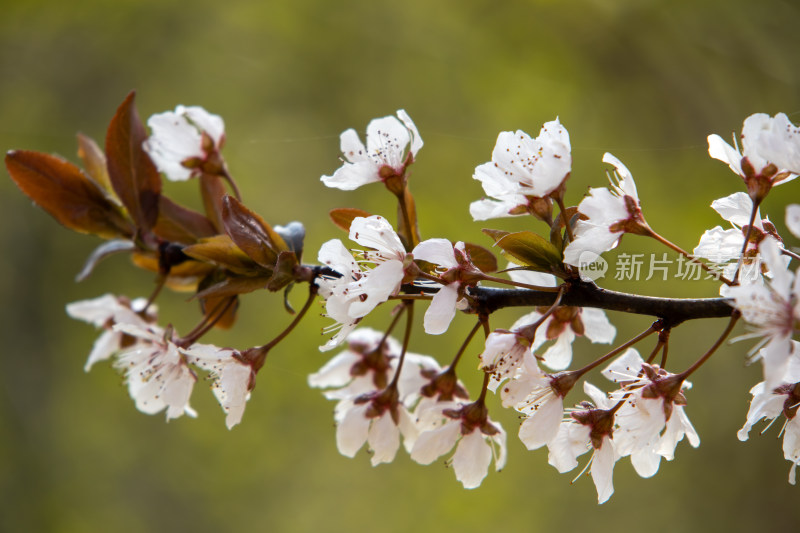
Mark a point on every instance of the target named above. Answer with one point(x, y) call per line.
point(222, 251)
point(234, 286)
point(250, 233)
point(343, 216)
point(481, 257)
point(180, 224)
point(61, 189)
point(284, 271)
point(133, 175)
point(94, 162)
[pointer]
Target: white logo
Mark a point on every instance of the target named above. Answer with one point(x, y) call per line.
point(592, 266)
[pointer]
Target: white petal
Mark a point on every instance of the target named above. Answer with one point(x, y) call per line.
point(416, 140)
point(719, 149)
point(352, 431)
point(603, 469)
point(542, 425)
point(597, 327)
point(442, 310)
point(471, 460)
point(436, 251)
point(430, 445)
point(383, 439)
point(793, 219)
point(351, 176)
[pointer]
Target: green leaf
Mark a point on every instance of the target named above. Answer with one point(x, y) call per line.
point(528, 249)
point(61, 189)
point(133, 175)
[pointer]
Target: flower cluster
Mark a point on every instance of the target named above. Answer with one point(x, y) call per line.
point(386, 395)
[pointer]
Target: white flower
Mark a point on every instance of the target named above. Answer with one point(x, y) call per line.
point(477, 440)
point(104, 312)
point(392, 145)
point(588, 428)
point(611, 213)
point(185, 140)
point(653, 420)
point(454, 260)
point(793, 219)
point(377, 419)
point(723, 246)
point(770, 403)
point(233, 378)
point(540, 397)
point(562, 327)
point(773, 309)
point(522, 171)
point(156, 372)
point(771, 153)
point(352, 296)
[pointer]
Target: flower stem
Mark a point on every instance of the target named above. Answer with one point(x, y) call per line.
point(312, 293)
point(652, 329)
point(563, 215)
point(746, 241)
point(690, 257)
point(463, 348)
point(409, 305)
point(734, 318)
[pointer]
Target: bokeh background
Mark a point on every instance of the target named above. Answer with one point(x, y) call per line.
point(647, 80)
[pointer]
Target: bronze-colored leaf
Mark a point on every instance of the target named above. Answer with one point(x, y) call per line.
point(234, 286)
point(94, 163)
point(183, 277)
point(133, 175)
point(180, 224)
point(481, 257)
point(221, 250)
point(212, 189)
point(61, 189)
point(529, 249)
point(343, 216)
point(214, 305)
point(251, 233)
point(284, 271)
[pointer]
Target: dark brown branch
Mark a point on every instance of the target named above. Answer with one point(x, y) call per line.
point(587, 294)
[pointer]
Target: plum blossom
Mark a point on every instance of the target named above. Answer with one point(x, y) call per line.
point(588, 428)
point(723, 246)
point(370, 409)
point(770, 153)
point(466, 427)
point(793, 219)
point(392, 145)
point(653, 420)
point(359, 290)
point(377, 419)
point(523, 173)
point(540, 397)
point(186, 142)
point(610, 214)
point(562, 327)
point(773, 309)
point(770, 403)
point(104, 312)
point(156, 372)
point(233, 378)
point(458, 272)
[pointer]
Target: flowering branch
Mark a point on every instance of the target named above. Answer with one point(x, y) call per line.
point(386, 394)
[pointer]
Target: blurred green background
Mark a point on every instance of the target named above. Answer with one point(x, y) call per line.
point(647, 80)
